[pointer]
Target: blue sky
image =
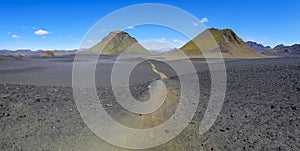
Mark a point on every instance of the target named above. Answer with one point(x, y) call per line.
point(61, 24)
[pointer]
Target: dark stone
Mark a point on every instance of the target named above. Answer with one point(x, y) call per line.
point(293, 107)
point(192, 122)
point(6, 114)
point(22, 116)
point(272, 106)
point(38, 100)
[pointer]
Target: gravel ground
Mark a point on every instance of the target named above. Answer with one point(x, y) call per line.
point(261, 112)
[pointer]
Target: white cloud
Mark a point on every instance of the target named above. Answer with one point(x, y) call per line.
point(91, 41)
point(264, 40)
point(162, 44)
point(178, 42)
point(204, 20)
point(130, 27)
point(249, 39)
point(41, 32)
point(156, 44)
point(16, 36)
point(195, 24)
point(260, 41)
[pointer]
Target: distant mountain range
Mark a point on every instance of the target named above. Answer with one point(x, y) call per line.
point(283, 48)
point(277, 50)
point(231, 46)
point(22, 52)
point(258, 47)
point(30, 53)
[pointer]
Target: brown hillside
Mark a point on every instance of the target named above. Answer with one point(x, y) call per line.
point(47, 54)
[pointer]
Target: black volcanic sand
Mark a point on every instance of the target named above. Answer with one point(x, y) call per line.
point(261, 109)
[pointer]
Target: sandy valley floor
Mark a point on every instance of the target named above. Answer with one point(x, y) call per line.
point(261, 109)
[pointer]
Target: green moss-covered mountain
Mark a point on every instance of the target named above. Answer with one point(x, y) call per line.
point(118, 42)
point(226, 40)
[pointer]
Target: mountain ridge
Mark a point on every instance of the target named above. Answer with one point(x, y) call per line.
point(231, 45)
point(258, 47)
point(294, 47)
point(282, 50)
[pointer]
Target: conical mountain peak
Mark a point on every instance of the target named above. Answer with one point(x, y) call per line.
point(117, 42)
point(227, 41)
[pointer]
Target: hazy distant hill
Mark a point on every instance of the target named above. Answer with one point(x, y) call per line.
point(118, 42)
point(162, 51)
point(293, 48)
point(30, 53)
point(47, 54)
point(258, 47)
point(283, 50)
point(22, 52)
point(229, 43)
